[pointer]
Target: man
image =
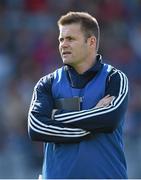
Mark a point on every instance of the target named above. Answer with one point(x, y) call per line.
point(78, 110)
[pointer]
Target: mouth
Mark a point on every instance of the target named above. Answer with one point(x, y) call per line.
point(66, 53)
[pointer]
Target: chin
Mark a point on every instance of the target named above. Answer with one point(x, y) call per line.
point(66, 61)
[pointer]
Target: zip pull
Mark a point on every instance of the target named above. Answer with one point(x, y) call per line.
point(81, 102)
point(81, 99)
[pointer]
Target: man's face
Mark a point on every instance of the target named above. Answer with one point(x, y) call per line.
point(72, 44)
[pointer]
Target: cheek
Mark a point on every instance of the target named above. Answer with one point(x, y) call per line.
point(59, 48)
point(82, 49)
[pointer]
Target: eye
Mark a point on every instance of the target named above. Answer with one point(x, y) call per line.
point(61, 39)
point(69, 38)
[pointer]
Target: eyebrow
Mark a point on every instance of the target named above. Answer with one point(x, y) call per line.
point(67, 37)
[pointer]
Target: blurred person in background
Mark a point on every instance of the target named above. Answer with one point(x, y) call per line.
point(78, 110)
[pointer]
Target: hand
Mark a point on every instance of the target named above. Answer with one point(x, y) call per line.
point(104, 102)
point(53, 113)
point(40, 177)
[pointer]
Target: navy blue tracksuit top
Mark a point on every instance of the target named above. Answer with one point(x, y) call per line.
point(85, 144)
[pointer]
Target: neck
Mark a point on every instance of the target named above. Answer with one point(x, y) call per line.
point(83, 67)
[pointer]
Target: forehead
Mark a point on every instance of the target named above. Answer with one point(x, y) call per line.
point(70, 30)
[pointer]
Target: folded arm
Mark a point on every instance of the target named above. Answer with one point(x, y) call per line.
point(102, 118)
point(40, 125)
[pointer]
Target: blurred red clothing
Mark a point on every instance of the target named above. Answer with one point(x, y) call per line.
point(36, 5)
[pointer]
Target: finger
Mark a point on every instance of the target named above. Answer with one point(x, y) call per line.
point(108, 100)
point(105, 101)
point(106, 96)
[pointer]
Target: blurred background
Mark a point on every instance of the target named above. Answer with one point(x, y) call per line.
point(29, 50)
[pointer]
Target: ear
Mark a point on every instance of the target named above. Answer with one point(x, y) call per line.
point(92, 41)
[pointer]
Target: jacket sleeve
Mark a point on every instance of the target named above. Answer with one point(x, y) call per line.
point(40, 125)
point(104, 119)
